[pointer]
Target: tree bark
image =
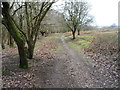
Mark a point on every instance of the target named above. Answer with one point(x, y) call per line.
point(14, 31)
point(3, 46)
point(33, 25)
point(79, 29)
point(10, 41)
point(3, 37)
point(78, 32)
point(42, 33)
point(23, 57)
point(30, 49)
point(73, 33)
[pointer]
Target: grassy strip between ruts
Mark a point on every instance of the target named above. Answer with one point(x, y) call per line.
point(81, 42)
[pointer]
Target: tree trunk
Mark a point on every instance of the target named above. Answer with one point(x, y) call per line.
point(23, 58)
point(30, 49)
point(10, 41)
point(3, 45)
point(79, 29)
point(78, 32)
point(73, 33)
point(14, 31)
point(42, 33)
point(3, 37)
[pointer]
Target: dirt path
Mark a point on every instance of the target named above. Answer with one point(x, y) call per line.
point(67, 68)
point(73, 70)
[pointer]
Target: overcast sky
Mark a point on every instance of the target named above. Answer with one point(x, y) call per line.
point(104, 11)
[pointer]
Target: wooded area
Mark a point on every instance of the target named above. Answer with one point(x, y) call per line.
point(47, 48)
point(23, 21)
point(33, 17)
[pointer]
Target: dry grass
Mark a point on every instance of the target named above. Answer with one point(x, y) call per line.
point(97, 41)
point(67, 34)
point(95, 32)
point(104, 42)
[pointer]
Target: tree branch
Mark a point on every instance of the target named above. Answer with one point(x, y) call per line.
point(17, 10)
point(19, 29)
point(12, 5)
point(40, 11)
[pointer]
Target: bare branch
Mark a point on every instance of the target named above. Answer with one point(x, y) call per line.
point(17, 10)
point(40, 11)
point(12, 5)
point(19, 29)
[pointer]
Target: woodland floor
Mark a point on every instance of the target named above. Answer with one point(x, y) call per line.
point(55, 65)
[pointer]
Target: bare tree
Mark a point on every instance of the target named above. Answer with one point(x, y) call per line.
point(34, 15)
point(34, 19)
point(14, 31)
point(76, 14)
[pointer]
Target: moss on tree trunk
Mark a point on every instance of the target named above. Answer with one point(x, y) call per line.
point(30, 49)
point(23, 59)
point(14, 32)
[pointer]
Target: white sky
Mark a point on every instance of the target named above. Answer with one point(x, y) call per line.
point(104, 11)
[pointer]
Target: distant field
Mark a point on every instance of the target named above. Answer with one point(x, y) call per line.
point(96, 40)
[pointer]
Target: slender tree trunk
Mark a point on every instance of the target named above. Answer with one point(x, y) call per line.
point(73, 32)
point(3, 37)
point(10, 41)
point(78, 32)
point(3, 46)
